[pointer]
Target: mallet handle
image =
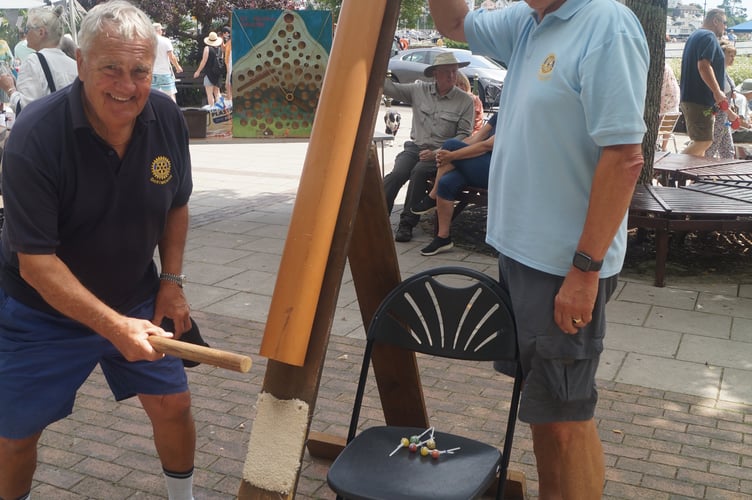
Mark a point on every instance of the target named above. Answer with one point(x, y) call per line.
point(201, 354)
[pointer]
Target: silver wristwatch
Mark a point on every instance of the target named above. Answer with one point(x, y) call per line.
point(178, 279)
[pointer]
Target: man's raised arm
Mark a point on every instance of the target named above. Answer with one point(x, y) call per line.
point(449, 17)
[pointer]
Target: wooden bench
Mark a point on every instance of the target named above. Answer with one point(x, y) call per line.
point(185, 79)
point(683, 209)
point(191, 91)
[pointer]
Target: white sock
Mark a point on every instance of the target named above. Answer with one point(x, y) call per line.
point(179, 484)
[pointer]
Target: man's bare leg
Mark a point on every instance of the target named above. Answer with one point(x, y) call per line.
point(18, 461)
point(174, 429)
point(570, 462)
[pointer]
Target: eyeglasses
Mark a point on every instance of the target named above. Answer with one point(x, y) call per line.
point(29, 28)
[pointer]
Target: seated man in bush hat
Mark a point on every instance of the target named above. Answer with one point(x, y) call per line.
point(743, 96)
point(441, 111)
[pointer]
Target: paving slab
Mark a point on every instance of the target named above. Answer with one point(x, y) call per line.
point(644, 293)
point(670, 375)
point(698, 323)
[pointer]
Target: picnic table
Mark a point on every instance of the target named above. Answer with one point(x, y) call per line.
point(685, 167)
point(717, 197)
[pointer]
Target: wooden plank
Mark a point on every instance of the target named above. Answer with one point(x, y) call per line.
point(284, 380)
point(323, 445)
point(323, 182)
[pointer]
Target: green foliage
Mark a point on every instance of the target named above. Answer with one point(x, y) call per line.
point(453, 44)
point(739, 71)
point(410, 10)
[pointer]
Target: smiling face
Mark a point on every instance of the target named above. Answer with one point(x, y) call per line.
point(116, 74)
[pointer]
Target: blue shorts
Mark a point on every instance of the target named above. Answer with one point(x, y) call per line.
point(44, 359)
point(559, 368)
point(165, 83)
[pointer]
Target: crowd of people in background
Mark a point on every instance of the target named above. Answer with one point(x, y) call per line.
point(43, 33)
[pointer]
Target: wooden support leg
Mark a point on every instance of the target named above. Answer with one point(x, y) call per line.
point(661, 256)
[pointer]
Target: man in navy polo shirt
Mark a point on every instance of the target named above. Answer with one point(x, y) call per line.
point(703, 72)
point(95, 178)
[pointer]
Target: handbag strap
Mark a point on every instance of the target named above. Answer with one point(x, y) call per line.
point(47, 73)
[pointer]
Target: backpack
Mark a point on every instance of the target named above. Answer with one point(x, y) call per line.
point(220, 53)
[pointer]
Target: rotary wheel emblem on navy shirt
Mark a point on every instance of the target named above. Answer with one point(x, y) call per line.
point(161, 170)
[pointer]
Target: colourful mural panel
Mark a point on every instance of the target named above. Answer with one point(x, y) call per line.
point(279, 60)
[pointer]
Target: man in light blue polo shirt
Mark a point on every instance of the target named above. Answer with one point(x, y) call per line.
point(559, 190)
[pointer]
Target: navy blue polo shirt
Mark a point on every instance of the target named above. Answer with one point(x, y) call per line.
point(66, 192)
point(702, 44)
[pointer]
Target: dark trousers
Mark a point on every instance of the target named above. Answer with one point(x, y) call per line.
point(408, 167)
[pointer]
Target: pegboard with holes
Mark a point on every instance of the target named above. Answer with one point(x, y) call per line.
point(279, 61)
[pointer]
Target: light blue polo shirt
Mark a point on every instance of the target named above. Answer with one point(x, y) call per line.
point(576, 82)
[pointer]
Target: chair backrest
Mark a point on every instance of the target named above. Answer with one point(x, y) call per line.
point(668, 123)
point(451, 312)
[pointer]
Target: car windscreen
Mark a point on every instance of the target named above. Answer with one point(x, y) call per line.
point(477, 61)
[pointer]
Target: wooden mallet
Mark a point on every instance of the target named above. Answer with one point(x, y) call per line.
point(201, 354)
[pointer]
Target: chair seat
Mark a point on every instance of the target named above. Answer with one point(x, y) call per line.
point(465, 474)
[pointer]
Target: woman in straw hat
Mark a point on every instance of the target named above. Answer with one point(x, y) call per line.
point(210, 63)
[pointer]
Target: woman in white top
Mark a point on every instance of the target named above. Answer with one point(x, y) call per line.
point(44, 29)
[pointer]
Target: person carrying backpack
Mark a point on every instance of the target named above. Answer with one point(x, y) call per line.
point(213, 69)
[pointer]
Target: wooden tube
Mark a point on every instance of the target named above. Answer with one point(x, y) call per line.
point(201, 354)
point(322, 182)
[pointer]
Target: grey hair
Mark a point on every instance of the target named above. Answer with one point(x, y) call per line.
point(119, 18)
point(50, 20)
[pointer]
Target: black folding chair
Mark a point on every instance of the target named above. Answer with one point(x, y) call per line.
point(448, 312)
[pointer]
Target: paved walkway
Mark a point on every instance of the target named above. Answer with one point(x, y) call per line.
point(674, 382)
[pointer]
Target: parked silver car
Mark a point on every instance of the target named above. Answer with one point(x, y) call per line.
point(408, 66)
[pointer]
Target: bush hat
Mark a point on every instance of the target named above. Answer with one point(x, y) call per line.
point(444, 59)
point(745, 86)
point(213, 40)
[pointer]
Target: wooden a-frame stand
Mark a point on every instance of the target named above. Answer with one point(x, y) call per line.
point(359, 231)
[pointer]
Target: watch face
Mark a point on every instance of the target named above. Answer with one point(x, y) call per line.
point(584, 262)
point(581, 261)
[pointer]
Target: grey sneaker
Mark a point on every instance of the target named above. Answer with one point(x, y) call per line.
point(438, 245)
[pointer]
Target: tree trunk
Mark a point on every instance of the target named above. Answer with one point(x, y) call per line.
point(652, 15)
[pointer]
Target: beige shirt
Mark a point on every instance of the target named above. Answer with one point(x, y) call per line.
point(435, 118)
